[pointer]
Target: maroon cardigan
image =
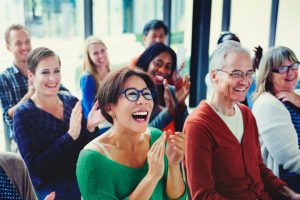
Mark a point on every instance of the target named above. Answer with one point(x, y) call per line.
point(218, 166)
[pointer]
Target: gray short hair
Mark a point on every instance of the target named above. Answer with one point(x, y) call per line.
point(218, 57)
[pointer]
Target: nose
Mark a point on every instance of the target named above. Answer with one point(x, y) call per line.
point(289, 70)
point(141, 99)
point(162, 70)
point(245, 80)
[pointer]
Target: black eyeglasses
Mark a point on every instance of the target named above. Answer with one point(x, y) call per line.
point(239, 74)
point(284, 69)
point(133, 94)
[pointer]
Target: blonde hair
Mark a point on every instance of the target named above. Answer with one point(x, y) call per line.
point(88, 65)
point(272, 59)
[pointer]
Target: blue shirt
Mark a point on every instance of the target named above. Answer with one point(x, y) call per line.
point(88, 90)
point(45, 144)
point(295, 115)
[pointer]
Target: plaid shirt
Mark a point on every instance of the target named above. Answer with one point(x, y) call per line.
point(45, 144)
point(13, 86)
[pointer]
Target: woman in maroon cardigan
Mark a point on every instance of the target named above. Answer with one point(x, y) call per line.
point(223, 157)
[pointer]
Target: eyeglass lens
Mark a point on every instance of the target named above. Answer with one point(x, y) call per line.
point(284, 69)
point(133, 94)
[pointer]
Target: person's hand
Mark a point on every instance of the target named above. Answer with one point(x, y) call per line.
point(258, 52)
point(75, 121)
point(155, 158)
point(30, 91)
point(95, 117)
point(287, 193)
point(295, 196)
point(50, 196)
point(175, 147)
point(183, 91)
point(289, 96)
point(170, 103)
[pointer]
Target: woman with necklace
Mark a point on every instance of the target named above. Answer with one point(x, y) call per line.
point(49, 129)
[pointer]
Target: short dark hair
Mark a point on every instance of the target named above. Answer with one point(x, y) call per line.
point(37, 55)
point(153, 51)
point(155, 24)
point(229, 36)
point(12, 28)
point(111, 87)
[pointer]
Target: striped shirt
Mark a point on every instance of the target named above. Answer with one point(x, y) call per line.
point(295, 115)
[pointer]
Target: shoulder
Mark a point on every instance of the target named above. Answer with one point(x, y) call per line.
point(86, 155)
point(10, 159)
point(245, 109)
point(203, 112)
point(67, 98)
point(154, 133)
point(96, 145)
point(266, 98)
point(25, 108)
point(87, 161)
point(86, 76)
point(87, 80)
point(7, 73)
point(267, 102)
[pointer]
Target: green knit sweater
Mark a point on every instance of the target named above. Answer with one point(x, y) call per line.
point(102, 178)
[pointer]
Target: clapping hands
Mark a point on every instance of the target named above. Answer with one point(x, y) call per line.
point(175, 147)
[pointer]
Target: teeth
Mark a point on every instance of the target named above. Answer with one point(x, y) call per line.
point(240, 89)
point(140, 113)
point(159, 77)
point(51, 85)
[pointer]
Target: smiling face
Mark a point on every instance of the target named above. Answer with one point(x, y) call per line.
point(285, 81)
point(160, 68)
point(98, 55)
point(132, 116)
point(47, 77)
point(19, 44)
point(230, 89)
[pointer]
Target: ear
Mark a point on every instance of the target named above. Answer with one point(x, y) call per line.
point(110, 109)
point(30, 76)
point(144, 39)
point(214, 75)
point(8, 47)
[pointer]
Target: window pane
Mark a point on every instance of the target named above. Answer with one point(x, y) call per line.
point(288, 25)
point(216, 24)
point(250, 21)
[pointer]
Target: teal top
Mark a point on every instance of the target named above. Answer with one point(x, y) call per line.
point(102, 178)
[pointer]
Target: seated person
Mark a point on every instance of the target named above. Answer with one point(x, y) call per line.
point(131, 161)
point(276, 109)
point(153, 31)
point(95, 68)
point(15, 181)
point(223, 158)
point(159, 61)
point(229, 36)
point(49, 129)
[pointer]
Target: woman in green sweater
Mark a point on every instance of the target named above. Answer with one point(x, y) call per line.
point(131, 161)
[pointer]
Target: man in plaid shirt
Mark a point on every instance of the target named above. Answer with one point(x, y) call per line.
point(14, 85)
